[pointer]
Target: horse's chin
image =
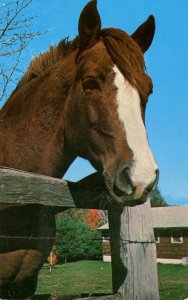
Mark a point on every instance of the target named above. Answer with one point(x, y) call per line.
point(124, 200)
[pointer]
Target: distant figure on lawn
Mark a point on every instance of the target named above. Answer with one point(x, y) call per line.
point(53, 258)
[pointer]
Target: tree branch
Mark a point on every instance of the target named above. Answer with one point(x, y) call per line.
point(15, 35)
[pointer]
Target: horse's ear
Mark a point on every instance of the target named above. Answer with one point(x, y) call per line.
point(89, 25)
point(145, 33)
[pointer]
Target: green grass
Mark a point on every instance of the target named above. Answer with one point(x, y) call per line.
point(173, 282)
point(76, 278)
point(94, 277)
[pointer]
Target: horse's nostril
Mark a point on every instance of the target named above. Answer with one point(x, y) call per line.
point(123, 183)
point(127, 177)
point(117, 191)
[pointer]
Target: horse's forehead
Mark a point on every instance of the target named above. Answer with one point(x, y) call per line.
point(95, 58)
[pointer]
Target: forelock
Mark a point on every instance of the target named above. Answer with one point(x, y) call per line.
point(128, 57)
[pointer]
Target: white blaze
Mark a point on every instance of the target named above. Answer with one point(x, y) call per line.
point(128, 105)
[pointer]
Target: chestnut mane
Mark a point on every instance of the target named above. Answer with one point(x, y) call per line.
point(124, 51)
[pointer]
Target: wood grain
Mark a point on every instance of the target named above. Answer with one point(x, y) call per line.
point(134, 261)
point(18, 187)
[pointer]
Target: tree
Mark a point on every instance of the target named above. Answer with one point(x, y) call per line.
point(15, 34)
point(93, 218)
point(76, 240)
point(157, 199)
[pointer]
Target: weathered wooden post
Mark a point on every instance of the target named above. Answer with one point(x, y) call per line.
point(134, 267)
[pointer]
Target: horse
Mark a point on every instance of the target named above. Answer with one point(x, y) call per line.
point(87, 98)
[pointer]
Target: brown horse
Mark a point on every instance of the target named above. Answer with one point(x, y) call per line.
point(82, 98)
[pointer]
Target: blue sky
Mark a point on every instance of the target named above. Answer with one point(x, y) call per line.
point(167, 64)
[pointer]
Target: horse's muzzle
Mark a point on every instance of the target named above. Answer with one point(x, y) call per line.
point(127, 192)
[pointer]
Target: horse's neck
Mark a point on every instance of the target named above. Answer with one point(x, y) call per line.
point(31, 124)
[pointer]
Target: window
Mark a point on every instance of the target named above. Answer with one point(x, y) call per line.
point(176, 238)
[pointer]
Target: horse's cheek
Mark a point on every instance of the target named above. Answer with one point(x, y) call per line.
point(92, 116)
point(93, 110)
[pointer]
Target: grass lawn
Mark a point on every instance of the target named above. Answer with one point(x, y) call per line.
point(94, 277)
point(83, 277)
point(173, 282)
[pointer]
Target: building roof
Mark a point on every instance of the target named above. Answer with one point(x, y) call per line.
point(166, 217)
point(170, 216)
point(104, 227)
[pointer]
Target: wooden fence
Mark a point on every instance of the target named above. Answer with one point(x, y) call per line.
point(134, 268)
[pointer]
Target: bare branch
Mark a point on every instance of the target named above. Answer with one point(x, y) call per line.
point(15, 35)
point(17, 11)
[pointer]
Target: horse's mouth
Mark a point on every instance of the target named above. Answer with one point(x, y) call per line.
point(117, 198)
point(123, 191)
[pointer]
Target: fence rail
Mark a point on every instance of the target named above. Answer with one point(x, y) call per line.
point(19, 187)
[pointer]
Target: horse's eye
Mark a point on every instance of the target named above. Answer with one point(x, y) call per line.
point(90, 84)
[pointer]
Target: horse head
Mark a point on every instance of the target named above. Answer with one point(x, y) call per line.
point(106, 106)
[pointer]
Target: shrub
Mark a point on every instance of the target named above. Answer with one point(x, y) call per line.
point(76, 240)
